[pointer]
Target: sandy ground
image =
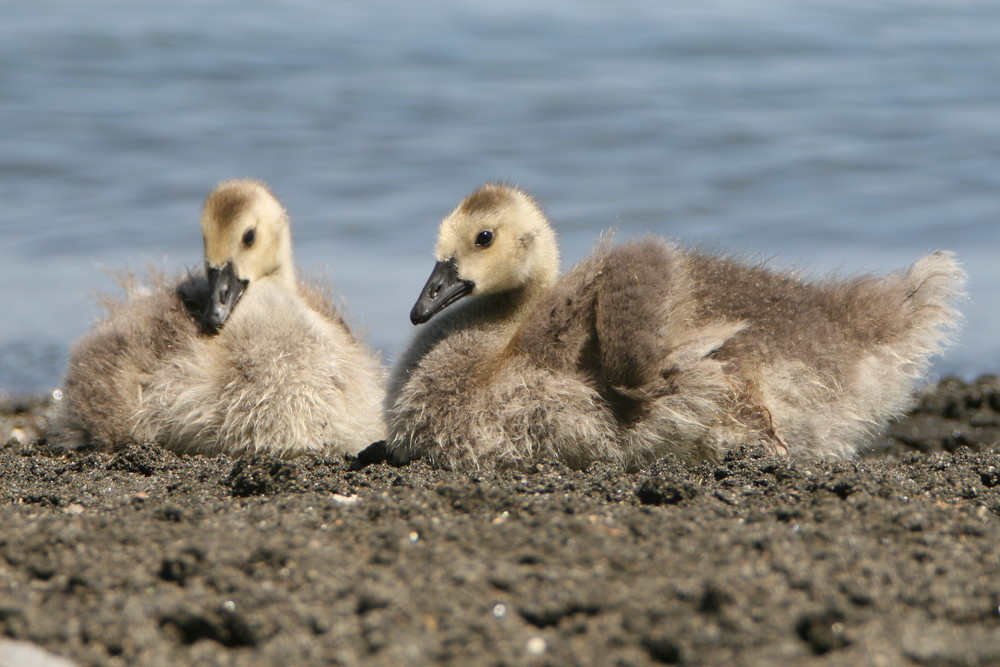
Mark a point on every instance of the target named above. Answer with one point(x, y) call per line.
point(141, 557)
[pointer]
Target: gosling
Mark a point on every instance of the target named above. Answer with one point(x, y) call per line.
point(244, 359)
point(648, 348)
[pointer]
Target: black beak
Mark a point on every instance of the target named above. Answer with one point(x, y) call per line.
point(224, 290)
point(443, 288)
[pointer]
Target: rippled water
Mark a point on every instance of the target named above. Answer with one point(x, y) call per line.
point(833, 135)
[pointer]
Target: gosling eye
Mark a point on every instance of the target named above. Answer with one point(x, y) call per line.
point(484, 239)
point(248, 237)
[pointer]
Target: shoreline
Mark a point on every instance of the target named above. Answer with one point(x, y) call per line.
point(141, 556)
point(947, 415)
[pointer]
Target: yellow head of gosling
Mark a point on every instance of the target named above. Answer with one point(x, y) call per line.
point(496, 240)
point(247, 238)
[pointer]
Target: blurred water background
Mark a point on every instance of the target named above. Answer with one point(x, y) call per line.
point(831, 135)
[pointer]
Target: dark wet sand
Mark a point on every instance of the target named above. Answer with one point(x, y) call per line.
point(141, 557)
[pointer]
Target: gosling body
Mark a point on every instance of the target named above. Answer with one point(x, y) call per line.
point(244, 359)
point(649, 348)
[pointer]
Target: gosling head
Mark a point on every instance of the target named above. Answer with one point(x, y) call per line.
point(497, 240)
point(247, 238)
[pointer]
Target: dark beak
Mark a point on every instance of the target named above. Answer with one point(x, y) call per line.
point(224, 290)
point(443, 288)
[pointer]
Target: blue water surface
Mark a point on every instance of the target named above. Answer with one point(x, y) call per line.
point(830, 135)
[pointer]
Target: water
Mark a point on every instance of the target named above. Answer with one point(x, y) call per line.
point(843, 135)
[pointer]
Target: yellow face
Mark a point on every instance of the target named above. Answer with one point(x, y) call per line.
point(246, 237)
point(496, 240)
point(244, 224)
point(499, 239)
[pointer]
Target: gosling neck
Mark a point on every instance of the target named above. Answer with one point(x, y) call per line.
point(282, 272)
point(507, 310)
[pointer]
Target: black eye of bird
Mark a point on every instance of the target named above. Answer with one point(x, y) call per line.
point(248, 237)
point(484, 239)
